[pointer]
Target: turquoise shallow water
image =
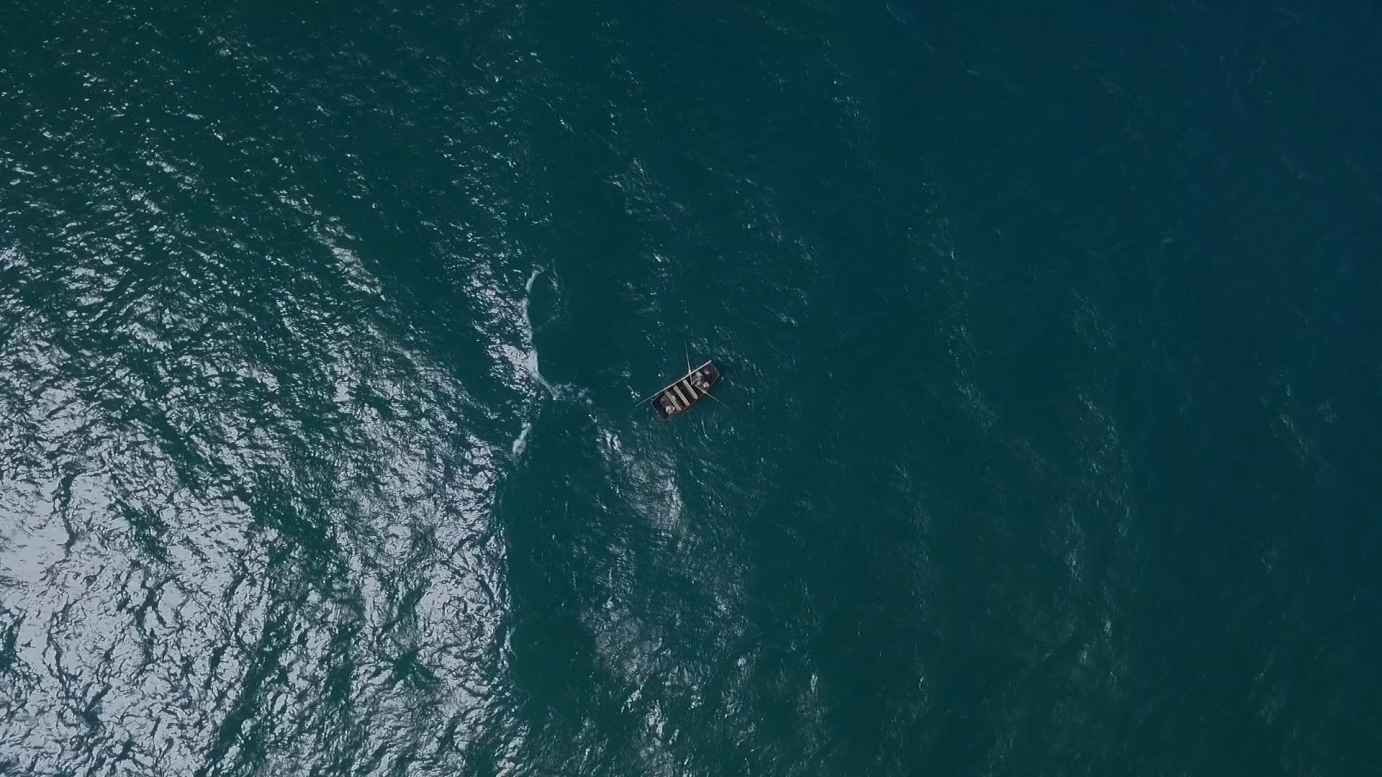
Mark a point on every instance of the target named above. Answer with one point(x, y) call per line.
point(1049, 435)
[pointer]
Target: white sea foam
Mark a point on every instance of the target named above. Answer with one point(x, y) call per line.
point(530, 358)
point(526, 355)
point(521, 444)
point(525, 358)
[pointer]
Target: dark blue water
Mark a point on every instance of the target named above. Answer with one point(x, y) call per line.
point(1047, 441)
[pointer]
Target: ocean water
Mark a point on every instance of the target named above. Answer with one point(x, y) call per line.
point(1048, 442)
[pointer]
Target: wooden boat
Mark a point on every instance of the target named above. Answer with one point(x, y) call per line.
point(685, 391)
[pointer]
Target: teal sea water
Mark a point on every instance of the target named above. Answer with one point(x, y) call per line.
point(1049, 441)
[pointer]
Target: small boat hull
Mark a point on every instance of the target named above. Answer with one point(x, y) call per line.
point(686, 391)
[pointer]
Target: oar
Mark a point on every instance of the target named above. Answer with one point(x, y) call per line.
point(645, 399)
point(712, 396)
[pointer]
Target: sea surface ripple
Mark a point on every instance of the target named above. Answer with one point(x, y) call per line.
point(1047, 444)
